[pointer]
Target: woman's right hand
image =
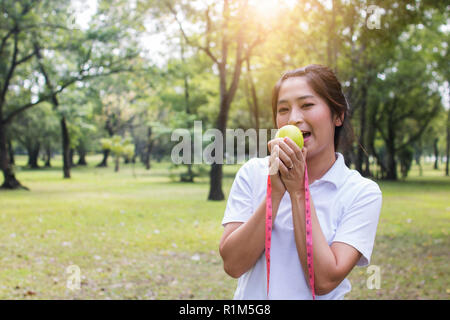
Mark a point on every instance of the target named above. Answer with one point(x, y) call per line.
point(278, 187)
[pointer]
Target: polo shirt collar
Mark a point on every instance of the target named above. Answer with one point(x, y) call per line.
point(337, 173)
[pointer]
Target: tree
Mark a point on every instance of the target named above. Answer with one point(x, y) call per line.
point(17, 17)
point(448, 144)
point(399, 120)
point(35, 131)
point(119, 147)
point(232, 30)
point(36, 35)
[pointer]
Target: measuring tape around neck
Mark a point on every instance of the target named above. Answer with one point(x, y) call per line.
point(309, 240)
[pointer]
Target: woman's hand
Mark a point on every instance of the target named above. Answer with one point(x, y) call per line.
point(292, 166)
point(278, 187)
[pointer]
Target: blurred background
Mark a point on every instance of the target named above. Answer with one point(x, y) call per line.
point(93, 207)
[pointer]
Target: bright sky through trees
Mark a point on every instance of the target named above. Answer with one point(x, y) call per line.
point(156, 45)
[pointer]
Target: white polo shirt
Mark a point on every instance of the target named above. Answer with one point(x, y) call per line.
point(347, 206)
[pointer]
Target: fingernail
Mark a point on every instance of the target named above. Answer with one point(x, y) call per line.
point(285, 139)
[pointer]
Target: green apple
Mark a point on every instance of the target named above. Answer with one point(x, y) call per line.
point(292, 132)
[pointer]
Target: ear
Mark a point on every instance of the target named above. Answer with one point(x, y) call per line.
point(338, 121)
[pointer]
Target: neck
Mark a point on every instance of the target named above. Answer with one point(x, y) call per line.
point(318, 165)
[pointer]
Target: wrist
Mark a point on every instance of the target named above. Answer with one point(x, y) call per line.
point(298, 194)
point(277, 195)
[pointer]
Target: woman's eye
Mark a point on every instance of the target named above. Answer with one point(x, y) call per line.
point(308, 104)
point(283, 109)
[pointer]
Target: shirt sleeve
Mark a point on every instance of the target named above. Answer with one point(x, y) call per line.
point(359, 223)
point(239, 205)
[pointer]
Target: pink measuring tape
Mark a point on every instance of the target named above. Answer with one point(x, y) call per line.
point(309, 240)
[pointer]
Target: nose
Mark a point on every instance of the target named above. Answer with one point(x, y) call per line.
point(296, 116)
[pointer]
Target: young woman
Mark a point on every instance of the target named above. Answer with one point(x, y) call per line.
point(345, 206)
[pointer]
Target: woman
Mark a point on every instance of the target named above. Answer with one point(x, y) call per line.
point(345, 206)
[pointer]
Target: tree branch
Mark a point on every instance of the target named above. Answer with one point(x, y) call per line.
point(188, 41)
point(426, 122)
point(69, 82)
point(4, 39)
point(226, 17)
point(237, 66)
point(37, 49)
point(27, 57)
point(239, 59)
point(250, 48)
point(11, 69)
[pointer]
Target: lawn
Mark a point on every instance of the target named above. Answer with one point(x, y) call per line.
point(138, 234)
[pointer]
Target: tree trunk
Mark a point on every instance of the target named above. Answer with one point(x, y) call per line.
point(226, 93)
point(65, 148)
point(71, 154)
point(366, 170)
point(148, 149)
point(370, 141)
point(147, 159)
point(362, 157)
point(33, 156)
point(448, 144)
point(255, 102)
point(10, 181)
point(331, 41)
point(117, 159)
point(417, 156)
point(82, 155)
point(391, 166)
point(104, 162)
point(436, 153)
point(390, 145)
point(189, 177)
point(48, 153)
point(348, 155)
point(420, 166)
point(380, 168)
point(109, 128)
point(226, 97)
point(216, 173)
point(11, 152)
point(379, 161)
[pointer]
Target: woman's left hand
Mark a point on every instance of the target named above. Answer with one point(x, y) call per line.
point(294, 177)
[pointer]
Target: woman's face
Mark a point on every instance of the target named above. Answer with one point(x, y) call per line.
point(300, 106)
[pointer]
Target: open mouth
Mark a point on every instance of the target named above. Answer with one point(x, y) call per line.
point(306, 134)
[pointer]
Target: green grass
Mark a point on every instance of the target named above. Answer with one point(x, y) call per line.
point(137, 234)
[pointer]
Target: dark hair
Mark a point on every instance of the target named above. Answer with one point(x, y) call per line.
point(325, 83)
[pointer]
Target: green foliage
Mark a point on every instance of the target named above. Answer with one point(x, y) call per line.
point(119, 146)
point(393, 74)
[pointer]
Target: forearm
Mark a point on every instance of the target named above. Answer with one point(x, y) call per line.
point(244, 246)
point(326, 275)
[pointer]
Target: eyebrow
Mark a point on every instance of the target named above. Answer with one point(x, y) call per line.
point(299, 98)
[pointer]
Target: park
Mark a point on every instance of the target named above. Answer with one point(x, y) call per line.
point(96, 199)
point(132, 240)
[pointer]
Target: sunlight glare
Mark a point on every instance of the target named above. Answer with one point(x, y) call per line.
point(268, 8)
